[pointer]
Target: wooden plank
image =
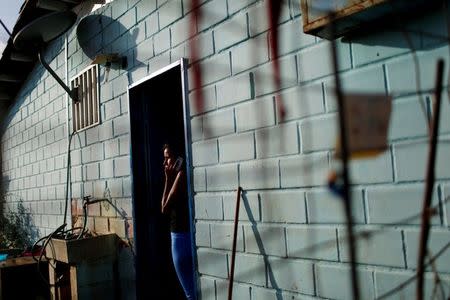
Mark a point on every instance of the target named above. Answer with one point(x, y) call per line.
point(19, 261)
point(52, 279)
point(75, 251)
point(73, 283)
point(358, 15)
point(353, 8)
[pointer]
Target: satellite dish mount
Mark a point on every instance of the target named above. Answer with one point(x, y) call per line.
point(43, 30)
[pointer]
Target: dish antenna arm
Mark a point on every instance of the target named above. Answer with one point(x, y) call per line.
point(73, 93)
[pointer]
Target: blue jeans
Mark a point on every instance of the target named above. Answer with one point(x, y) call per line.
point(182, 260)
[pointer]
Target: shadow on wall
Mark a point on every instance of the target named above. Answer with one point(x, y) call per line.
point(416, 32)
point(96, 34)
point(3, 112)
point(260, 244)
point(34, 84)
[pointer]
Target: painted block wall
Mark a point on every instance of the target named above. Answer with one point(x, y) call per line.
point(34, 147)
point(239, 139)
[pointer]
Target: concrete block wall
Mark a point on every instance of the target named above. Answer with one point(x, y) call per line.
point(35, 142)
point(100, 155)
point(291, 234)
point(34, 147)
point(291, 240)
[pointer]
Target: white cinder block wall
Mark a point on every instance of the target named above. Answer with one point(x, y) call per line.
point(291, 237)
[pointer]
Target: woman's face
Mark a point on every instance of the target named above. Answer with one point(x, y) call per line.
point(168, 159)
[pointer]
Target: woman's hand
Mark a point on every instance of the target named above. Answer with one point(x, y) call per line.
point(170, 173)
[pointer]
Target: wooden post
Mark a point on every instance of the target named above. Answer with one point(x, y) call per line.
point(52, 278)
point(73, 283)
point(233, 251)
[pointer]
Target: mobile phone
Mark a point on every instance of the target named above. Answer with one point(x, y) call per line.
point(178, 164)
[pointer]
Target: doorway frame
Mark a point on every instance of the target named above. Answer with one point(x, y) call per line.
point(183, 64)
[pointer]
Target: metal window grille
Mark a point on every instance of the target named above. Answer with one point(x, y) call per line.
point(86, 111)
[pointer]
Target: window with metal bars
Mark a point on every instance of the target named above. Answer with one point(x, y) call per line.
point(86, 111)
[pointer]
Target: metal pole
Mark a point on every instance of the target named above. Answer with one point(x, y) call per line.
point(72, 93)
point(429, 181)
point(233, 252)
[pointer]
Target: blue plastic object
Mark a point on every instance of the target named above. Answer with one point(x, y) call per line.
point(3, 257)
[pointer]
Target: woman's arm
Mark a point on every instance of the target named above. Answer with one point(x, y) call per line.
point(165, 193)
point(168, 183)
point(174, 189)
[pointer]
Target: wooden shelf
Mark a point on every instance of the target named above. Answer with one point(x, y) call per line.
point(352, 15)
point(15, 273)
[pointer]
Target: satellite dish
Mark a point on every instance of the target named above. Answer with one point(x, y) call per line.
point(43, 30)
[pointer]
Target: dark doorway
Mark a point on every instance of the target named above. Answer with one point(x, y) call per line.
point(156, 115)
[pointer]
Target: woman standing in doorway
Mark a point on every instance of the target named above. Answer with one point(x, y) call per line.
point(175, 203)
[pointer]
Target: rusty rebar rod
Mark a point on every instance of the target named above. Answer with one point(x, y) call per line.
point(429, 181)
point(233, 251)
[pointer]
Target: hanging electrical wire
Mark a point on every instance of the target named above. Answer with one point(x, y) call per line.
point(6, 28)
point(74, 232)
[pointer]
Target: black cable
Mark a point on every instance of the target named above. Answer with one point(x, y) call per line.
point(84, 221)
point(68, 176)
point(34, 246)
point(71, 236)
point(6, 28)
point(60, 229)
point(47, 241)
point(88, 202)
